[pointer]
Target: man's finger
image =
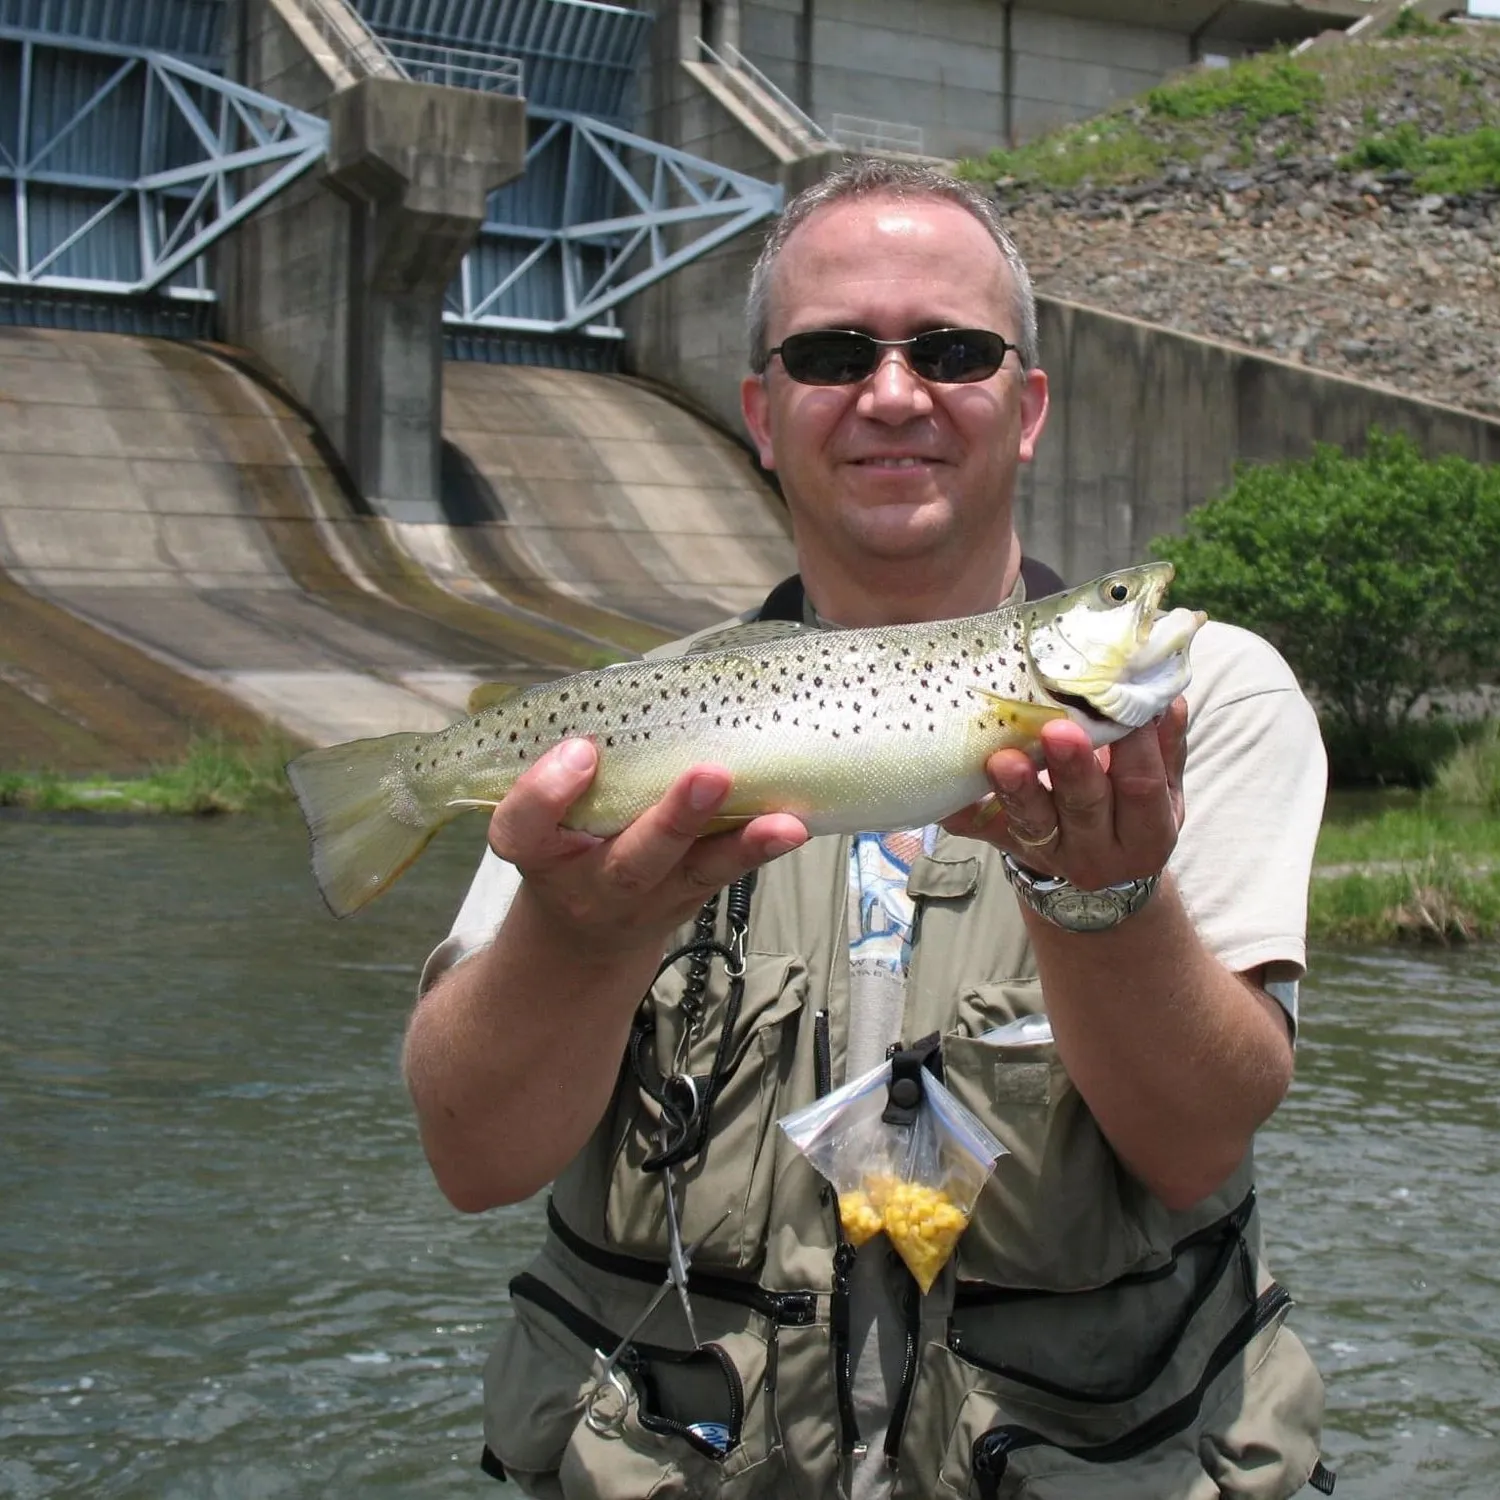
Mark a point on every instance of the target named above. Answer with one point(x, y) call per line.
point(526, 821)
point(1171, 735)
point(1080, 789)
point(717, 861)
point(1022, 809)
point(645, 853)
point(1144, 817)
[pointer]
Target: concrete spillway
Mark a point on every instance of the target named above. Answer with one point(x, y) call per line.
point(178, 550)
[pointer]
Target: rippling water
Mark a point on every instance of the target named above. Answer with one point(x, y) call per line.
point(1381, 1179)
point(226, 1275)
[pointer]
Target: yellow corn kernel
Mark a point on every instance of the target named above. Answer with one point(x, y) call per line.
point(924, 1224)
point(861, 1219)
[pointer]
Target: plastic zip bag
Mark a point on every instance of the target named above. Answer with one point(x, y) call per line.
point(903, 1155)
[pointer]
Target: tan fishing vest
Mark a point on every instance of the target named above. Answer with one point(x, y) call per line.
point(1084, 1342)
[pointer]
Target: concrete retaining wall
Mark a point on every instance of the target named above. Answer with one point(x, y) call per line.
point(1146, 424)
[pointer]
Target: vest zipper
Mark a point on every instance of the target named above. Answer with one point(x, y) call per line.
point(977, 1294)
point(1234, 1248)
point(843, 1354)
point(785, 1309)
point(992, 1450)
point(902, 1406)
point(822, 1055)
point(843, 1265)
point(635, 1359)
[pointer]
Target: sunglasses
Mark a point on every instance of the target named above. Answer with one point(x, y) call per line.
point(842, 356)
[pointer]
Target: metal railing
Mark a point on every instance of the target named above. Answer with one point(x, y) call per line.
point(860, 134)
point(458, 68)
point(753, 81)
point(358, 48)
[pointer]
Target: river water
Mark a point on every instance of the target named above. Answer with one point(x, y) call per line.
point(225, 1274)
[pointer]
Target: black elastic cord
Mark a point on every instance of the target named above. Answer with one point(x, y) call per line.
point(686, 1101)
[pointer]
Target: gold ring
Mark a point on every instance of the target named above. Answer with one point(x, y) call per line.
point(1026, 843)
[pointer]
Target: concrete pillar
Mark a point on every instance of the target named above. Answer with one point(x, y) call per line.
point(338, 283)
point(416, 162)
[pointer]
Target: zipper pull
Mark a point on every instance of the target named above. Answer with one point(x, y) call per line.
point(843, 1264)
point(991, 1458)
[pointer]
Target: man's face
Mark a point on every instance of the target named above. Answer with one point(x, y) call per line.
point(895, 468)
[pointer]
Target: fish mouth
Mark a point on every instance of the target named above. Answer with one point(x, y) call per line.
point(1109, 654)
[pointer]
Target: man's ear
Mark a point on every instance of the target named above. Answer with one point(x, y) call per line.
point(755, 406)
point(1033, 412)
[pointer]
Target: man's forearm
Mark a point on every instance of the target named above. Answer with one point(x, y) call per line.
point(1179, 1058)
point(511, 1058)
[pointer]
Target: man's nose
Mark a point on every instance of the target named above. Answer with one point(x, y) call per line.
point(893, 390)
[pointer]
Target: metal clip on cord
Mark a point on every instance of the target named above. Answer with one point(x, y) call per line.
point(685, 1102)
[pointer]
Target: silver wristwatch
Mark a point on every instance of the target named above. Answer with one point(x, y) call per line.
point(1065, 905)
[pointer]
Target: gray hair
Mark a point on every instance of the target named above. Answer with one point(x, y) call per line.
point(870, 177)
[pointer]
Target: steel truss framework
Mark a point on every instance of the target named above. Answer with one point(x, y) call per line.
point(120, 166)
point(599, 215)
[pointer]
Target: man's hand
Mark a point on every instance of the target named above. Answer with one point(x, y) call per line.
point(627, 892)
point(1109, 815)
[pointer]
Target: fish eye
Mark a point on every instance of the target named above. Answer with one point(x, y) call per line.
point(1119, 592)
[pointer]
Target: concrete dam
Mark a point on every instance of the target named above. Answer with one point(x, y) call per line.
point(315, 318)
point(180, 547)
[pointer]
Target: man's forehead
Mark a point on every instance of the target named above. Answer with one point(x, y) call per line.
point(912, 218)
point(866, 240)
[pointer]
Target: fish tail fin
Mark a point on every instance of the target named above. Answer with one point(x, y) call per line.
point(366, 824)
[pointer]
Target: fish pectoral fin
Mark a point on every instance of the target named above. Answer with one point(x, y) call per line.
point(488, 694)
point(461, 803)
point(1028, 718)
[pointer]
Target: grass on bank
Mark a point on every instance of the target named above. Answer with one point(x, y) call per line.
point(1428, 871)
point(1272, 103)
point(217, 775)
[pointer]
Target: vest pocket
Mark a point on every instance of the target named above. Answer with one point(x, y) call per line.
point(735, 1168)
point(670, 1423)
point(1230, 1408)
point(1059, 1212)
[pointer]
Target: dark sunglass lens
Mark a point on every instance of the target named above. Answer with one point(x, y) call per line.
point(952, 356)
point(828, 358)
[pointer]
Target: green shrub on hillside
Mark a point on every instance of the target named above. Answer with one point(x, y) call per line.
point(1411, 22)
point(1111, 149)
point(1439, 163)
point(1262, 88)
point(1375, 577)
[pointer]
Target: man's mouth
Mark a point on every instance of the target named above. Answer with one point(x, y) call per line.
point(905, 461)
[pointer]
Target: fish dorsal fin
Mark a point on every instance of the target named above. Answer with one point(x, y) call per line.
point(748, 637)
point(488, 694)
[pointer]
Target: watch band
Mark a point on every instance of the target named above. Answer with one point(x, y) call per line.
point(1070, 907)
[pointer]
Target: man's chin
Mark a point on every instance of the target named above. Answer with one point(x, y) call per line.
point(909, 528)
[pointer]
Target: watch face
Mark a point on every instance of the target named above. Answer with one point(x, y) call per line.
point(1086, 911)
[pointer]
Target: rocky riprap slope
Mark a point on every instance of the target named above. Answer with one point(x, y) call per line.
point(1263, 237)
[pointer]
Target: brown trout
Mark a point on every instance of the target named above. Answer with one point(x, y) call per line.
point(850, 730)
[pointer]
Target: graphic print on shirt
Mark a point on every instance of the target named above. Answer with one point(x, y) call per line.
point(879, 867)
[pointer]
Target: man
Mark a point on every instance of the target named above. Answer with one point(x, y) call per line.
point(1107, 1318)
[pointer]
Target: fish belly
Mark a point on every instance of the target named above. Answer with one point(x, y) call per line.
point(844, 783)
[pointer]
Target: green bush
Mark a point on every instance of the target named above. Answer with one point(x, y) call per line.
point(1259, 89)
point(1438, 163)
point(1375, 577)
point(1411, 22)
